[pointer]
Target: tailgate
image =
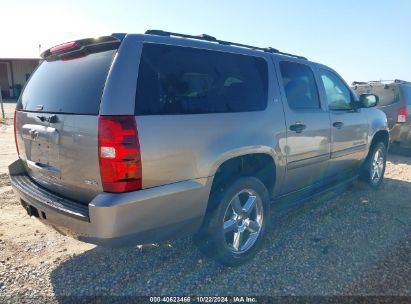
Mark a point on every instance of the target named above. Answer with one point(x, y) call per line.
point(61, 156)
point(57, 124)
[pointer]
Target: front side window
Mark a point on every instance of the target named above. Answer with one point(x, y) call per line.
point(299, 86)
point(406, 91)
point(337, 93)
point(183, 80)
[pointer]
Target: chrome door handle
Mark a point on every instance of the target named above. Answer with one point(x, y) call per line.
point(338, 124)
point(298, 127)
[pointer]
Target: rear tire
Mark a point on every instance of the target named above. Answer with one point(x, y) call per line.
point(374, 166)
point(234, 231)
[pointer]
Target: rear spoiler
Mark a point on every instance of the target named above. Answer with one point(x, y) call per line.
point(83, 47)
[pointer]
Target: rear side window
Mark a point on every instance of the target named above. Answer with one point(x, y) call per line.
point(182, 80)
point(299, 86)
point(406, 93)
point(387, 95)
point(68, 86)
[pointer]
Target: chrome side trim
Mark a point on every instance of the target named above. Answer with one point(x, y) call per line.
point(347, 151)
point(308, 161)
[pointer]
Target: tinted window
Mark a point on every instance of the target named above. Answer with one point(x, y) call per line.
point(406, 93)
point(338, 94)
point(387, 95)
point(71, 86)
point(299, 85)
point(181, 80)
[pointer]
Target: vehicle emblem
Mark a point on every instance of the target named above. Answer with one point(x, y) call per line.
point(90, 182)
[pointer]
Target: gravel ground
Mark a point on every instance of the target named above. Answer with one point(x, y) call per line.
point(351, 241)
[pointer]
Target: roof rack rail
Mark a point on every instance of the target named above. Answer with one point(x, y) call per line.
point(399, 81)
point(359, 82)
point(209, 38)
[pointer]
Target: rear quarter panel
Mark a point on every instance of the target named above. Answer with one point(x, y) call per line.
point(183, 147)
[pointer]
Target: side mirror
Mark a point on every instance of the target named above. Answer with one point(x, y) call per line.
point(368, 100)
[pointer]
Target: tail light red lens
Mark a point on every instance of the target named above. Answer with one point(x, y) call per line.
point(15, 132)
point(119, 153)
point(402, 115)
point(63, 46)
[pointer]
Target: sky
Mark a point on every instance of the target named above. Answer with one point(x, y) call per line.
point(361, 39)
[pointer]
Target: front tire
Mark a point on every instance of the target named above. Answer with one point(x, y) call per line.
point(235, 229)
point(374, 167)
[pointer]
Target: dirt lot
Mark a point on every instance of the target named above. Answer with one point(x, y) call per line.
point(350, 242)
point(7, 146)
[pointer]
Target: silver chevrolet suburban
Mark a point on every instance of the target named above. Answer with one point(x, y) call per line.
point(134, 139)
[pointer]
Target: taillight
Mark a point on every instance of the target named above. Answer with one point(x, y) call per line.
point(119, 153)
point(63, 46)
point(402, 115)
point(15, 132)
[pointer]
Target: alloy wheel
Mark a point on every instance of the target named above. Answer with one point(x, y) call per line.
point(243, 220)
point(377, 166)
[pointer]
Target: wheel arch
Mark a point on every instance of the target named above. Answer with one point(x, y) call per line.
point(380, 136)
point(258, 164)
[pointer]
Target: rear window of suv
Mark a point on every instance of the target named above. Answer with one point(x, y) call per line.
point(70, 86)
point(183, 80)
point(387, 95)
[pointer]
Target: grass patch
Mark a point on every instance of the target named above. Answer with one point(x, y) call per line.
point(3, 120)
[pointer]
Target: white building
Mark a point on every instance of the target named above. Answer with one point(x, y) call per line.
point(14, 73)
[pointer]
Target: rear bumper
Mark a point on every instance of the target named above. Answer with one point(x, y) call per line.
point(401, 133)
point(137, 217)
